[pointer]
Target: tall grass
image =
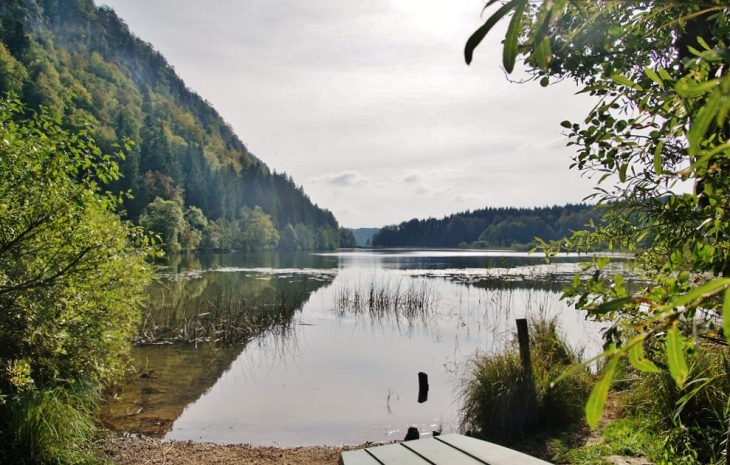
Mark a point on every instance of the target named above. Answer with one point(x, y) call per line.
point(49, 426)
point(693, 420)
point(500, 404)
point(389, 300)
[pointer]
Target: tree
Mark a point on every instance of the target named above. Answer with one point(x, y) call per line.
point(659, 70)
point(288, 239)
point(72, 276)
point(347, 238)
point(165, 217)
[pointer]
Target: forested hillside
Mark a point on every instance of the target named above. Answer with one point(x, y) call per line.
point(490, 227)
point(191, 178)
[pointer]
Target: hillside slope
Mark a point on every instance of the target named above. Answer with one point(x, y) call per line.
point(82, 60)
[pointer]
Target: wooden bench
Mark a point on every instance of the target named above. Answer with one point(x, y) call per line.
point(442, 450)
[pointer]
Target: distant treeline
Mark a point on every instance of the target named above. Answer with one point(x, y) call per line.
point(82, 61)
point(490, 227)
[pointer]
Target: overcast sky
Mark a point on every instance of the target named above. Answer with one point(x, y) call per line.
point(369, 104)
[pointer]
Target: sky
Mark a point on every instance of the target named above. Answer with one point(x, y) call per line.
point(369, 105)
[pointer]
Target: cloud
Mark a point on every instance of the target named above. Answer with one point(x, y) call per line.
point(344, 178)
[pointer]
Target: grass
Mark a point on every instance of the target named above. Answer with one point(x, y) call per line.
point(693, 420)
point(499, 403)
point(628, 437)
point(49, 426)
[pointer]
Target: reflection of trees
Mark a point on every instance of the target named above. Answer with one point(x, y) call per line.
point(206, 313)
point(226, 307)
point(182, 263)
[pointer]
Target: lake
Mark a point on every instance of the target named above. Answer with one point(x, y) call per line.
point(342, 364)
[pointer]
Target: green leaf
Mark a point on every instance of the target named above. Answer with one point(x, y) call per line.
point(612, 305)
point(651, 74)
point(675, 356)
point(690, 89)
point(658, 168)
point(481, 33)
point(702, 42)
point(726, 315)
point(702, 292)
point(545, 81)
point(509, 51)
point(566, 124)
point(543, 54)
point(702, 122)
point(639, 361)
point(624, 81)
point(622, 172)
point(597, 399)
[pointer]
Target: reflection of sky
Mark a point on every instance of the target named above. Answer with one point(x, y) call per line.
point(336, 379)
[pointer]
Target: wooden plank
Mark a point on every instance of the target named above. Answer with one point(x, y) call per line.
point(396, 454)
point(439, 453)
point(357, 457)
point(488, 452)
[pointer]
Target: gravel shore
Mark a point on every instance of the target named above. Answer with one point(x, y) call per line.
point(142, 450)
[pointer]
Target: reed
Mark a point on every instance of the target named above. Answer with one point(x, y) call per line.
point(389, 300)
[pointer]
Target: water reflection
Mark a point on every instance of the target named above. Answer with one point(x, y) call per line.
point(339, 371)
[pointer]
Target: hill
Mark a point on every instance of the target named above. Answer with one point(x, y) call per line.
point(364, 236)
point(191, 178)
point(490, 227)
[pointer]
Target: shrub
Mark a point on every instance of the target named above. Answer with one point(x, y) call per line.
point(71, 281)
point(500, 405)
point(693, 419)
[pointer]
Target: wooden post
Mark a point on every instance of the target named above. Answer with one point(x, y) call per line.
point(422, 387)
point(523, 338)
point(528, 383)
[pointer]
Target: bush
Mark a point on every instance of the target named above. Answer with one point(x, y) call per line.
point(498, 403)
point(71, 281)
point(693, 419)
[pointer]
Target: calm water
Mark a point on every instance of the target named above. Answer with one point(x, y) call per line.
point(340, 376)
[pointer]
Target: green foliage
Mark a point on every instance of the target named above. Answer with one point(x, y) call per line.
point(658, 70)
point(347, 238)
point(72, 276)
point(53, 425)
point(498, 405)
point(692, 418)
point(73, 54)
point(165, 217)
point(629, 437)
point(490, 227)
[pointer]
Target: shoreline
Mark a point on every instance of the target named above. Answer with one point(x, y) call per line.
point(138, 449)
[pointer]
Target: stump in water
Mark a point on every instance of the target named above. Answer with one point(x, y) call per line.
point(422, 387)
point(412, 434)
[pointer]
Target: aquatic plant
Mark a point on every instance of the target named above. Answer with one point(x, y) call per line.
point(383, 300)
